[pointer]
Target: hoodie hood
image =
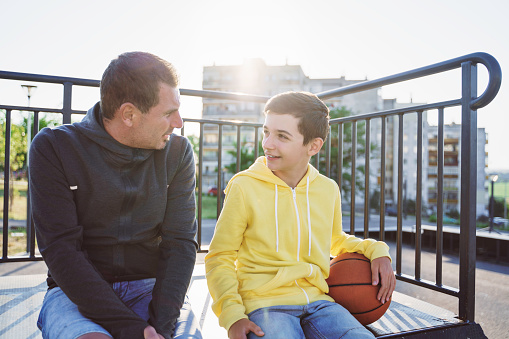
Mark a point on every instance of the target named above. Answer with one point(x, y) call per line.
point(260, 171)
point(119, 154)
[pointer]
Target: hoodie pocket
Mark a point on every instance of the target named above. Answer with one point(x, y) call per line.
point(287, 275)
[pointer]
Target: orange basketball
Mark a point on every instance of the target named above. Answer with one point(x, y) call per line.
point(350, 286)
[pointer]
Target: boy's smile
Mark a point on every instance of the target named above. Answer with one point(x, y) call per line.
point(282, 143)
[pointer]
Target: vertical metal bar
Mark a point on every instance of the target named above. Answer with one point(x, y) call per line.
point(200, 184)
point(317, 161)
point(7, 173)
point(327, 154)
point(418, 198)
point(220, 183)
point(30, 226)
point(383, 142)
point(440, 197)
point(352, 179)
point(340, 155)
point(256, 151)
point(468, 192)
point(399, 230)
point(66, 110)
point(238, 150)
point(367, 152)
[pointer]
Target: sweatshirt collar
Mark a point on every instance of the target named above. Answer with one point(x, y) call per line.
point(92, 127)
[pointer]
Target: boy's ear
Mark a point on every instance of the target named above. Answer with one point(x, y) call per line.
point(314, 146)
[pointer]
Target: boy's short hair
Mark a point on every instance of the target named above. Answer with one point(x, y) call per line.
point(135, 77)
point(312, 112)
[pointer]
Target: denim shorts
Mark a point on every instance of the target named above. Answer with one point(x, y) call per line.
point(60, 318)
point(320, 319)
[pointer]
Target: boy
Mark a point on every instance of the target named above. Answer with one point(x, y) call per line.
point(281, 220)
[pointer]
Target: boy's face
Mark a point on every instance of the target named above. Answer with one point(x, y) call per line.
point(282, 144)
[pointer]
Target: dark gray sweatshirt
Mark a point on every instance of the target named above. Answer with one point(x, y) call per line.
point(106, 212)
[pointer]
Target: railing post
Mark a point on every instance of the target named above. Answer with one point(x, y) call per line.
point(7, 172)
point(200, 184)
point(468, 192)
point(66, 112)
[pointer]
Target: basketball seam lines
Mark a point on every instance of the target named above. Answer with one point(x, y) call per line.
point(352, 284)
point(370, 310)
point(348, 259)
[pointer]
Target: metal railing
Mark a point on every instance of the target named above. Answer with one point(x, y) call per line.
point(469, 103)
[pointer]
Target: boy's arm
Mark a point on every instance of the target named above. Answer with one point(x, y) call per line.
point(345, 243)
point(220, 261)
point(376, 251)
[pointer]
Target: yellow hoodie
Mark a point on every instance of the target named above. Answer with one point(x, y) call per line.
point(272, 243)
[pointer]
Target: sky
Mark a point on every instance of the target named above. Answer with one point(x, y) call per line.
point(362, 39)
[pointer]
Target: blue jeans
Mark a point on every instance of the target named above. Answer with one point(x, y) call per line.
point(321, 319)
point(60, 318)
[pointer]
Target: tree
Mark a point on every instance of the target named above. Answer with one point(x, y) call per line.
point(247, 156)
point(347, 153)
point(18, 147)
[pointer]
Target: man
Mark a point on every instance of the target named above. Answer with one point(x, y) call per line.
point(114, 209)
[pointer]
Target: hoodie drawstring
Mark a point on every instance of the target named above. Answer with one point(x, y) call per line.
point(309, 216)
point(277, 230)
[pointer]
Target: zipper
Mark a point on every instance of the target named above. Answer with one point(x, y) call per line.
point(298, 223)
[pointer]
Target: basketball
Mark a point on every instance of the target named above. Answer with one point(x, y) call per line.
point(350, 286)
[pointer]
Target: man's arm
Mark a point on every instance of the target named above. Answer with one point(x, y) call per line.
point(60, 237)
point(178, 246)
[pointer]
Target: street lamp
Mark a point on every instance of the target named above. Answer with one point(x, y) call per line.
point(29, 89)
point(492, 201)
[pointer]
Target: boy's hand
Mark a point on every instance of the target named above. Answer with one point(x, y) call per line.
point(150, 333)
point(381, 270)
point(242, 327)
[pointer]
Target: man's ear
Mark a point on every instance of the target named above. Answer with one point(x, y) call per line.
point(127, 113)
point(314, 146)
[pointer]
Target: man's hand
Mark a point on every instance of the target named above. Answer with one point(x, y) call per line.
point(381, 270)
point(150, 333)
point(242, 327)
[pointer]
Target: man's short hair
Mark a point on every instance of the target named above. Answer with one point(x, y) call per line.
point(312, 113)
point(135, 77)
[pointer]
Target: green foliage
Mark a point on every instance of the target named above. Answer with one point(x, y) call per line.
point(195, 142)
point(247, 157)
point(347, 153)
point(19, 142)
point(499, 207)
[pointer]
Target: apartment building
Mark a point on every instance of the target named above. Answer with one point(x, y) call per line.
point(254, 76)
point(452, 173)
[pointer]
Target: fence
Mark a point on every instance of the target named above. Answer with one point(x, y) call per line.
point(469, 102)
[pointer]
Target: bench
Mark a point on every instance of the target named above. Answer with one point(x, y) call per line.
point(21, 298)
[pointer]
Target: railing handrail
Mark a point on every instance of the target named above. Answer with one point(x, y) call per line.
point(491, 64)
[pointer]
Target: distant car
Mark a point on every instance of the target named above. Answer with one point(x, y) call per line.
point(391, 211)
point(212, 192)
point(500, 221)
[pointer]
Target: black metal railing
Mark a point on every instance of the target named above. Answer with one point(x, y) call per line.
point(469, 103)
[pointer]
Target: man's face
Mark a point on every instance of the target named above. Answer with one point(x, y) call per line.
point(282, 144)
point(152, 129)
